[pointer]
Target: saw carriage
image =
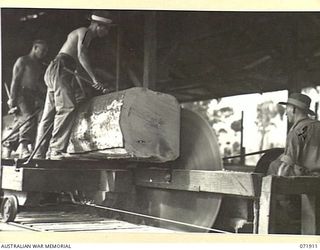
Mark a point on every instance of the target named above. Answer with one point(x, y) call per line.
point(137, 153)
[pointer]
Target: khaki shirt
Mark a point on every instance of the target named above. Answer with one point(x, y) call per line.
point(303, 145)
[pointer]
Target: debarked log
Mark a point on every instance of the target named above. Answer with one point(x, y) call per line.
point(136, 123)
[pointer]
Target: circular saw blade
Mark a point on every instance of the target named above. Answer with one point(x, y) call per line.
point(198, 151)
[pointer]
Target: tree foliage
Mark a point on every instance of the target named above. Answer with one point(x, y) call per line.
point(266, 111)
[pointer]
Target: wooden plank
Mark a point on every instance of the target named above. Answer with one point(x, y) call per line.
point(56, 180)
point(308, 214)
point(297, 185)
point(1, 174)
point(131, 124)
point(71, 163)
point(11, 179)
point(267, 206)
point(49, 180)
point(272, 185)
point(223, 182)
point(256, 208)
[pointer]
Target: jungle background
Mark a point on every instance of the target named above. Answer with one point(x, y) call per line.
point(264, 121)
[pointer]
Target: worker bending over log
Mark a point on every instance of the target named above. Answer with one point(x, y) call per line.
point(26, 91)
point(60, 100)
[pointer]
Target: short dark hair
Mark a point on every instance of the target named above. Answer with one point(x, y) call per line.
point(39, 41)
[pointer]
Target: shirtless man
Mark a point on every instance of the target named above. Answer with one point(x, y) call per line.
point(26, 87)
point(60, 100)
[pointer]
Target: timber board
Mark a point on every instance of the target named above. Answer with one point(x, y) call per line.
point(222, 182)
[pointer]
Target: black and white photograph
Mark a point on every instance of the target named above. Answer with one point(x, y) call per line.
point(160, 121)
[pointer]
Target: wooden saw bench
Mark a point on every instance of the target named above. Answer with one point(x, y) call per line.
point(26, 185)
point(53, 176)
point(262, 191)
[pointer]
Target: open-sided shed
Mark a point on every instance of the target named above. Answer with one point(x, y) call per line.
point(193, 55)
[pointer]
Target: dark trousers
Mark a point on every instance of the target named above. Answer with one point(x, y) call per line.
point(59, 105)
point(26, 107)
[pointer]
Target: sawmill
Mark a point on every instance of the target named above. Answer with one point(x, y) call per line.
point(135, 151)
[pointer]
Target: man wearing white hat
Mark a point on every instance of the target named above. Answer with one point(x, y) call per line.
point(302, 152)
point(60, 100)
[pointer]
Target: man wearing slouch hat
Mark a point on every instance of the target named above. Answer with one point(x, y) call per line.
point(301, 157)
point(302, 151)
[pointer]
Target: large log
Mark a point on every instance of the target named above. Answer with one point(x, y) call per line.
point(136, 123)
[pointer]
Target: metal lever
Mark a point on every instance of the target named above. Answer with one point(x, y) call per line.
point(39, 144)
point(17, 128)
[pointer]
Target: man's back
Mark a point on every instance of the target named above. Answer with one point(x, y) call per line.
point(308, 133)
point(73, 42)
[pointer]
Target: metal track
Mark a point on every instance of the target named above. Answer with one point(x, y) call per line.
point(157, 218)
point(78, 218)
point(72, 219)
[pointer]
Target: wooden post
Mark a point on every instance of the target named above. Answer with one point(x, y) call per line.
point(150, 50)
point(256, 207)
point(290, 186)
point(118, 55)
point(308, 214)
point(267, 206)
point(256, 203)
point(242, 149)
point(291, 43)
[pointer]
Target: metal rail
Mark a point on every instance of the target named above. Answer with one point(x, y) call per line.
point(16, 224)
point(157, 218)
point(70, 222)
point(248, 154)
point(77, 220)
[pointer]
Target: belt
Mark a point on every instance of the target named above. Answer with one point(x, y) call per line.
point(64, 56)
point(67, 60)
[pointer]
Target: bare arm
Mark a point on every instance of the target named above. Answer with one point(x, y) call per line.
point(83, 45)
point(41, 84)
point(82, 48)
point(17, 74)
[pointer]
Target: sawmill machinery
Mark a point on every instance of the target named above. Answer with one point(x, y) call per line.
point(136, 152)
point(143, 173)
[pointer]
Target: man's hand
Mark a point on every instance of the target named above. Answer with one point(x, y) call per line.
point(11, 103)
point(12, 106)
point(99, 86)
point(284, 170)
point(13, 110)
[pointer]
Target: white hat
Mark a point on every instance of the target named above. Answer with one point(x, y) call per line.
point(102, 17)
